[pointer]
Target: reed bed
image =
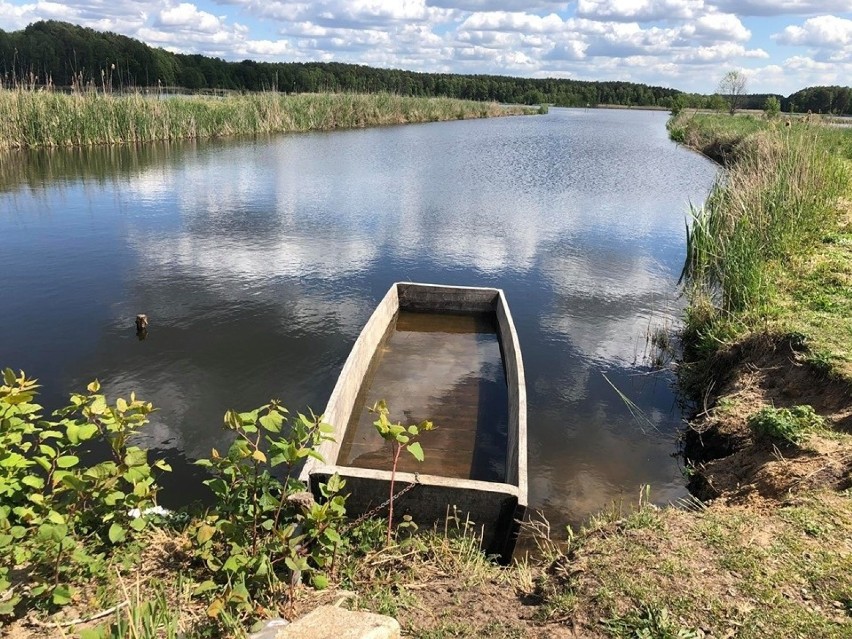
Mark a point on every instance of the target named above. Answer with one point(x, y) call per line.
point(775, 204)
point(45, 119)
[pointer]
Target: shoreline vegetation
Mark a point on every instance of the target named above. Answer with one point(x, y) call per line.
point(32, 119)
point(762, 549)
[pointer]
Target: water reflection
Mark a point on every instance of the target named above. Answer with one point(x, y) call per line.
point(258, 261)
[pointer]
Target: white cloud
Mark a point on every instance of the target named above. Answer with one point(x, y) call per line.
point(822, 32)
point(720, 26)
point(498, 5)
point(186, 16)
point(719, 53)
point(515, 21)
point(781, 7)
point(639, 10)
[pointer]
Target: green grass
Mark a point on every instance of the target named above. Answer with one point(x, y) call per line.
point(756, 573)
point(36, 119)
point(770, 250)
point(788, 424)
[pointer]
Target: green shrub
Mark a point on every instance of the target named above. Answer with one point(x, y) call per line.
point(59, 517)
point(265, 532)
point(788, 424)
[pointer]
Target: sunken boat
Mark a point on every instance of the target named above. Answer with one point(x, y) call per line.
point(449, 354)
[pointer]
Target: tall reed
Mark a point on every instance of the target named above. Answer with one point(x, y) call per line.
point(775, 202)
point(35, 119)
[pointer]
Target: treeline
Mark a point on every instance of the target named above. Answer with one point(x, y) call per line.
point(66, 54)
point(836, 100)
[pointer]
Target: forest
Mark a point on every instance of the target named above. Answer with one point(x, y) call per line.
point(63, 54)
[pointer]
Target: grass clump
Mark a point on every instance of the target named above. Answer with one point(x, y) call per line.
point(789, 424)
point(38, 119)
point(768, 250)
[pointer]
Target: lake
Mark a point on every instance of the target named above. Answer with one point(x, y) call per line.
point(258, 262)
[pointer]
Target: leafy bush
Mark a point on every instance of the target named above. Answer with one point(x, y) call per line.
point(264, 525)
point(790, 424)
point(772, 108)
point(57, 515)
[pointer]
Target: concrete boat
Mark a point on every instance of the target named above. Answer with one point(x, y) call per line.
point(449, 354)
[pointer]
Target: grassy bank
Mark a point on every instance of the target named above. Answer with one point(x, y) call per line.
point(769, 250)
point(36, 119)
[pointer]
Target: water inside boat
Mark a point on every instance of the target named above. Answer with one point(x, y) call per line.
point(447, 368)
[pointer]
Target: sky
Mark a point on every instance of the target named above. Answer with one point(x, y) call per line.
point(780, 45)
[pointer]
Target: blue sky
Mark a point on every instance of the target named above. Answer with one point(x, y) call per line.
point(781, 45)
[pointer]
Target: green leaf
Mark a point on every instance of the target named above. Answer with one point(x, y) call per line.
point(47, 450)
point(98, 406)
point(416, 450)
point(205, 533)
point(33, 481)
point(62, 595)
point(162, 465)
point(235, 562)
point(9, 377)
point(319, 581)
point(56, 518)
point(116, 533)
point(67, 461)
point(332, 535)
point(55, 533)
point(138, 524)
point(232, 420)
point(136, 457)
point(114, 497)
point(272, 422)
point(94, 387)
point(73, 433)
point(73, 482)
point(121, 405)
point(87, 431)
point(204, 586)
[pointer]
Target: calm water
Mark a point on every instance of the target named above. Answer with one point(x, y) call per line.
point(258, 262)
point(443, 368)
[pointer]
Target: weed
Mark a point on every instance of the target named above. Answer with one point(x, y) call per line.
point(788, 424)
point(649, 623)
point(265, 525)
point(399, 436)
point(58, 517)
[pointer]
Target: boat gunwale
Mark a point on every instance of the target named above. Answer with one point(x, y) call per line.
point(331, 449)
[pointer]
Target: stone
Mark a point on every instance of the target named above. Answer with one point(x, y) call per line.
point(269, 629)
point(331, 622)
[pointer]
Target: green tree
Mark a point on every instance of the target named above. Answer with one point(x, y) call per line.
point(772, 107)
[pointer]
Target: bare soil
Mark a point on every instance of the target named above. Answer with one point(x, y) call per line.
point(731, 464)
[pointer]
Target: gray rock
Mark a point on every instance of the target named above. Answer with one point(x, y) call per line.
point(331, 622)
point(268, 630)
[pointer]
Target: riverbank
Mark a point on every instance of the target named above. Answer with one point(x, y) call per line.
point(44, 119)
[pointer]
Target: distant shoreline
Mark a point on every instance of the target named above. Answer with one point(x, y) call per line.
point(47, 119)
